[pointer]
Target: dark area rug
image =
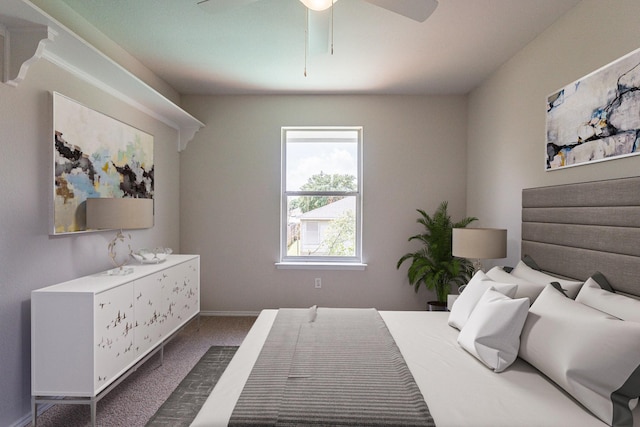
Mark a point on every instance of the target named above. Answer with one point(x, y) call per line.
point(185, 401)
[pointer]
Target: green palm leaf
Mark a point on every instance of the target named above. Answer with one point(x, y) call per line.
point(433, 264)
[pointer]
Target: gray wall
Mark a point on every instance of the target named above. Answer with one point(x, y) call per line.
point(414, 157)
point(29, 257)
point(506, 140)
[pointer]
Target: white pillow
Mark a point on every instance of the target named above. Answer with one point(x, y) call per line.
point(492, 333)
point(522, 270)
point(593, 356)
point(617, 305)
point(526, 288)
point(465, 303)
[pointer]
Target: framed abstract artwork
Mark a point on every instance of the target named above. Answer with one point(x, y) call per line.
point(95, 155)
point(595, 118)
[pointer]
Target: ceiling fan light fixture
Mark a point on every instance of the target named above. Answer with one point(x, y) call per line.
point(318, 5)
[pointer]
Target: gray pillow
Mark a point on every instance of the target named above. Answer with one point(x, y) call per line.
point(602, 281)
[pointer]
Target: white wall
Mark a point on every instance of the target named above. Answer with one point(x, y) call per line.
point(506, 139)
point(414, 157)
point(29, 257)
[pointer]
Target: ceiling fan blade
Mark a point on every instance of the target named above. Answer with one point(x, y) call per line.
point(319, 31)
point(418, 10)
point(219, 6)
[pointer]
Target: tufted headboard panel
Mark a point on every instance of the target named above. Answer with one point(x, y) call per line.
point(575, 230)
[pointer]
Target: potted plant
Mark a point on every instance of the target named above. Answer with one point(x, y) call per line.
point(433, 264)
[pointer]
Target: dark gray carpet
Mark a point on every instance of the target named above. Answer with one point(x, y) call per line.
point(185, 401)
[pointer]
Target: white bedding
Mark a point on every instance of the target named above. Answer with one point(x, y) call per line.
point(459, 389)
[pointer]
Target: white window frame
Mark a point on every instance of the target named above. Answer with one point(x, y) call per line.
point(320, 262)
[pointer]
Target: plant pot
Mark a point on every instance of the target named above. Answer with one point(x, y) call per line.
point(436, 306)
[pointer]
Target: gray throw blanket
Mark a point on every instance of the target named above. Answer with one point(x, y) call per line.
point(330, 367)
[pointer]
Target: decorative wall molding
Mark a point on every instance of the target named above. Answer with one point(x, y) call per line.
point(30, 29)
point(23, 45)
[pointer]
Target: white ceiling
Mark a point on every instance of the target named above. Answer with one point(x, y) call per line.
point(260, 48)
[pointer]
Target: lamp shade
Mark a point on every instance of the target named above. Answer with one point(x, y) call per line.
point(318, 5)
point(479, 243)
point(119, 213)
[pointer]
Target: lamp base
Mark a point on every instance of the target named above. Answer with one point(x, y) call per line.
point(111, 247)
point(477, 266)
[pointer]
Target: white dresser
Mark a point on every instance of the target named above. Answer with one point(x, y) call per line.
point(88, 333)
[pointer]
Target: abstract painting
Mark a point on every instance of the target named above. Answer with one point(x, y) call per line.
point(595, 118)
point(95, 156)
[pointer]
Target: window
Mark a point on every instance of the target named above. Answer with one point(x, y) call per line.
point(321, 195)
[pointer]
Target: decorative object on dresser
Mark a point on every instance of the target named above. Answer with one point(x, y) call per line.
point(151, 256)
point(88, 334)
point(479, 243)
point(121, 214)
point(433, 264)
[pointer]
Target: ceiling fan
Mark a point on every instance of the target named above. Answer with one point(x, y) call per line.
point(319, 25)
point(418, 10)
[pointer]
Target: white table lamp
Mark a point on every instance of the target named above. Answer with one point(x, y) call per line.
point(479, 243)
point(119, 214)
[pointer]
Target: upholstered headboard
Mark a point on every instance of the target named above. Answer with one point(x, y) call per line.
point(577, 229)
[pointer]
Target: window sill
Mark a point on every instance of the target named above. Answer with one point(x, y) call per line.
point(320, 266)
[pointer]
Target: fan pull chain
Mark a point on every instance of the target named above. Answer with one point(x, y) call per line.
point(306, 40)
point(332, 29)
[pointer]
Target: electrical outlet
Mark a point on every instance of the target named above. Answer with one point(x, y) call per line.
point(318, 283)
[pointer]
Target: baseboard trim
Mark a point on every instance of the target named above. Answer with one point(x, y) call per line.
point(26, 420)
point(229, 313)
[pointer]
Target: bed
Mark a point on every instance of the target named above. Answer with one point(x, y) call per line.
point(570, 231)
